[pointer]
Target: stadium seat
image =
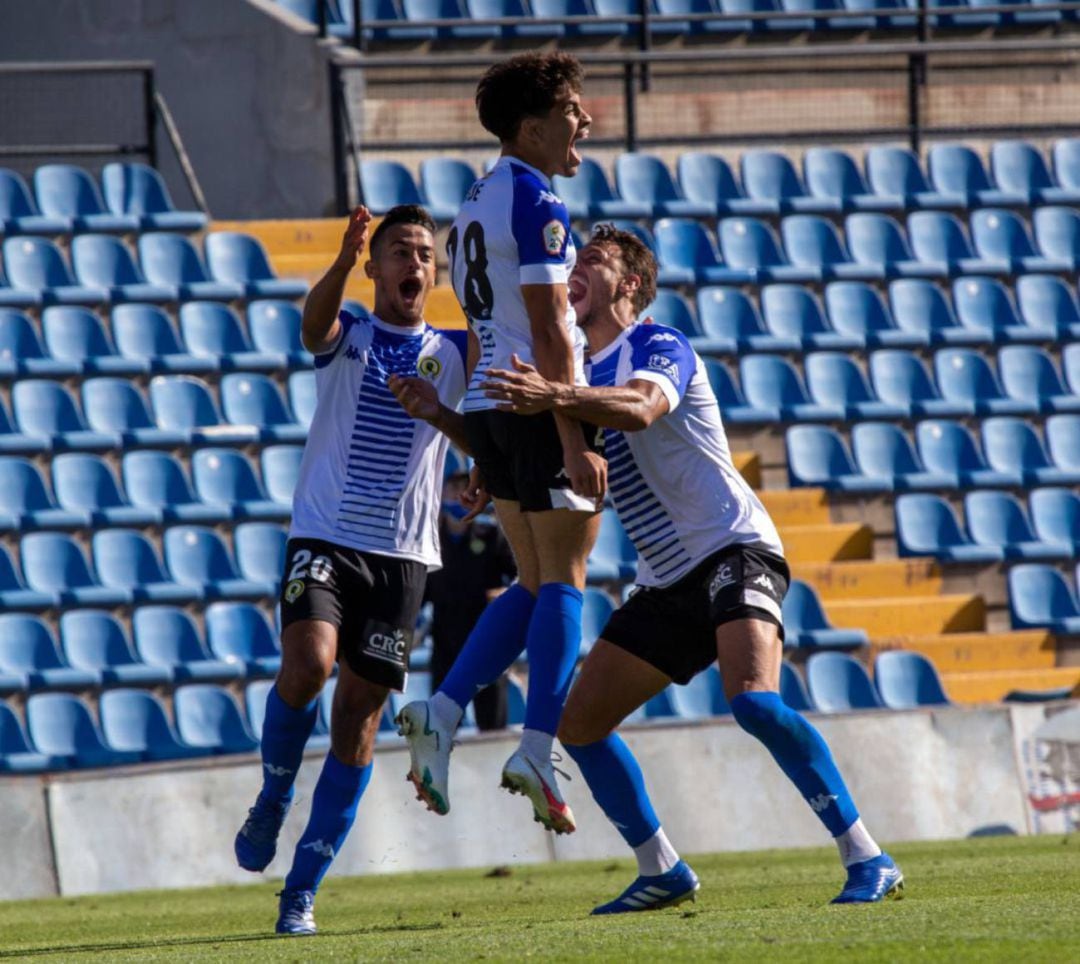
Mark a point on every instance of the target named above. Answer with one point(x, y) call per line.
point(757, 6)
point(597, 608)
point(877, 242)
point(241, 259)
point(166, 636)
point(560, 9)
point(1063, 441)
point(302, 398)
point(36, 266)
point(946, 448)
point(21, 351)
point(855, 310)
point(196, 556)
point(730, 398)
point(1019, 169)
point(900, 378)
point(28, 651)
point(134, 721)
point(207, 717)
point(805, 622)
point(607, 562)
point(883, 453)
point(61, 725)
point(1041, 597)
point(818, 457)
point(13, 591)
point(137, 189)
point(19, 297)
point(940, 240)
point(19, 213)
point(260, 551)
point(793, 689)
point(772, 385)
point(85, 483)
point(16, 754)
point(770, 176)
point(967, 379)
point(907, 680)
point(1001, 236)
point(75, 336)
point(182, 402)
point(838, 683)
point(102, 261)
point(1029, 374)
point(249, 399)
point(157, 481)
point(211, 329)
point(825, 23)
point(589, 195)
point(701, 698)
point(919, 306)
point(445, 181)
point(1048, 305)
point(255, 696)
point(115, 406)
point(386, 184)
point(495, 9)
point(12, 441)
point(672, 309)
point(811, 242)
point(835, 381)
point(894, 172)
point(96, 642)
point(731, 323)
point(342, 25)
point(1057, 234)
point(465, 28)
point(238, 632)
point(25, 503)
point(793, 312)
point(45, 408)
point(706, 179)
point(53, 562)
point(748, 244)
point(1013, 446)
point(280, 469)
point(984, 305)
point(275, 329)
point(927, 526)
point(64, 191)
point(145, 333)
point(126, 560)
point(224, 476)
point(173, 261)
point(1066, 156)
point(956, 169)
point(1055, 516)
point(997, 519)
point(833, 175)
point(644, 179)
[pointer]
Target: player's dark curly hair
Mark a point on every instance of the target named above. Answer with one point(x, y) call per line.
point(402, 214)
point(636, 258)
point(524, 86)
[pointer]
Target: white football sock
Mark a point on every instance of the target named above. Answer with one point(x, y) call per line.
point(856, 845)
point(656, 856)
point(446, 712)
point(537, 744)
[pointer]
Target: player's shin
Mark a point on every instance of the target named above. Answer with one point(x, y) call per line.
point(284, 736)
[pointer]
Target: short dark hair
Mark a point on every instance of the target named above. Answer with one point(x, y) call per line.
point(524, 86)
point(402, 214)
point(635, 256)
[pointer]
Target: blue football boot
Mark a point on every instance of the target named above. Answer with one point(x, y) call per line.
point(872, 880)
point(256, 843)
point(651, 893)
point(296, 913)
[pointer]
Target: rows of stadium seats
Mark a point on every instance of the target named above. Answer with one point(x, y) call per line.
point(472, 14)
point(66, 199)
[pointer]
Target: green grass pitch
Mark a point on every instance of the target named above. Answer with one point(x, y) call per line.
point(1002, 899)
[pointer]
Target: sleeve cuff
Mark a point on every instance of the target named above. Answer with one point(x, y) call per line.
point(671, 393)
point(543, 274)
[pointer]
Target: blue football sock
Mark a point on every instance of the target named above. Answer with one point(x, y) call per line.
point(284, 736)
point(497, 639)
point(802, 754)
point(333, 810)
point(553, 643)
point(617, 785)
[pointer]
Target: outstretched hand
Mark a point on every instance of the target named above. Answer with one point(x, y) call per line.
point(355, 238)
point(523, 390)
point(416, 395)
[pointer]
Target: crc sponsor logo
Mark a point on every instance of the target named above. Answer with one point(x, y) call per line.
point(294, 590)
point(724, 576)
point(429, 367)
point(554, 235)
point(386, 643)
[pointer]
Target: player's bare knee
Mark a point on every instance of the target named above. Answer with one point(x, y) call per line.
point(576, 729)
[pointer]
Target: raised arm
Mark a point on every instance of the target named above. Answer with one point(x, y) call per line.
point(320, 328)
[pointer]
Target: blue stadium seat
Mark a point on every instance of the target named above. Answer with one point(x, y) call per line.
point(589, 195)
point(793, 689)
point(687, 255)
point(21, 351)
point(211, 329)
point(877, 242)
point(280, 469)
point(956, 169)
point(818, 456)
point(1055, 517)
point(45, 408)
point(53, 562)
point(173, 261)
point(64, 191)
point(702, 697)
point(224, 476)
point(126, 560)
point(900, 378)
point(855, 310)
point(732, 403)
point(1066, 156)
point(1047, 304)
point(19, 297)
point(772, 385)
point(102, 261)
point(275, 329)
point(756, 6)
point(386, 184)
point(25, 502)
point(1063, 441)
point(116, 407)
point(85, 483)
point(811, 242)
point(61, 725)
point(1029, 374)
point(939, 239)
point(14, 593)
point(921, 307)
point(260, 551)
point(894, 172)
point(166, 636)
point(302, 397)
point(672, 309)
point(19, 213)
point(998, 520)
point(838, 683)
point(1013, 446)
point(770, 176)
point(882, 19)
point(907, 680)
point(882, 452)
point(644, 179)
point(445, 180)
point(495, 9)
point(985, 305)
point(75, 336)
point(36, 266)
point(182, 402)
point(1001, 236)
point(145, 333)
point(196, 556)
point(249, 399)
point(28, 651)
point(748, 244)
point(207, 717)
point(559, 9)
point(642, 233)
point(241, 259)
point(805, 622)
point(1057, 233)
point(96, 642)
point(13, 441)
point(605, 560)
point(138, 189)
point(833, 175)
point(967, 379)
point(255, 696)
point(1041, 598)
point(793, 312)
point(134, 721)
point(947, 448)
point(707, 179)
point(466, 29)
point(826, 23)
point(596, 609)
point(1020, 169)
point(835, 381)
point(731, 323)
point(238, 632)
point(16, 754)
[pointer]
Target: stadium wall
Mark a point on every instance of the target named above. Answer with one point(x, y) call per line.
point(245, 81)
point(920, 775)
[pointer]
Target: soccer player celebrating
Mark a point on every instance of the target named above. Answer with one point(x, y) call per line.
point(364, 532)
point(711, 575)
point(510, 258)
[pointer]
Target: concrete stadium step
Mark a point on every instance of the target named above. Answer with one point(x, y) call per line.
point(748, 465)
point(914, 615)
point(827, 543)
point(978, 652)
point(992, 686)
point(872, 578)
point(794, 507)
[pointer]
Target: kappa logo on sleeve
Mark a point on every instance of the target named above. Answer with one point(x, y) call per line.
point(554, 235)
point(547, 197)
point(662, 336)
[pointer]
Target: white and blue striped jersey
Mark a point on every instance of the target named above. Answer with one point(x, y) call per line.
point(371, 476)
point(511, 231)
point(676, 491)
